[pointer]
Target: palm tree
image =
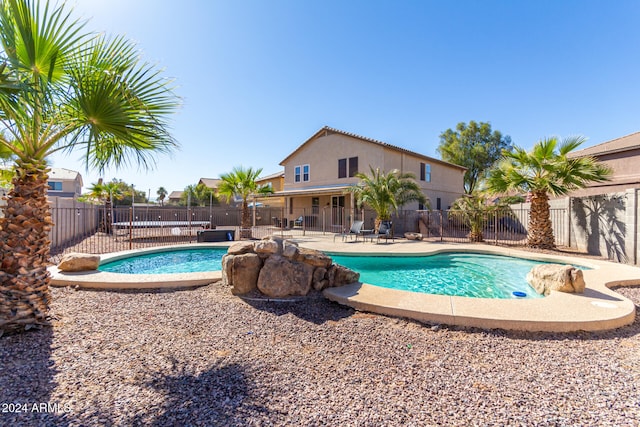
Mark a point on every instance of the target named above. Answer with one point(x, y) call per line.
point(474, 210)
point(162, 194)
point(386, 192)
point(545, 170)
point(242, 182)
point(105, 193)
point(75, 90)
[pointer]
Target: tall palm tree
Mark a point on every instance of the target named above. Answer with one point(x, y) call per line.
point(386, 192)
point(106, 193)
point(76, 91)
point(545, 170)
point(241, 182)
point(162, 194)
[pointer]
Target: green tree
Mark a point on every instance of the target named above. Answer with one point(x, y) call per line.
point(105, 193)
point(162, 194)
point(474, 210)
point(545, 170)
point(200, 195)
point(386, 192)
point(241, 182)
point(68, 89)
point(475, 147)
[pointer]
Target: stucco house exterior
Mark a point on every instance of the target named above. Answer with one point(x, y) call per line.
point(276, 182)
point(64, 183)
point(317, 173)
point(622, 155)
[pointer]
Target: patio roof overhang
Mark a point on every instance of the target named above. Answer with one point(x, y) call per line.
point(312, 191)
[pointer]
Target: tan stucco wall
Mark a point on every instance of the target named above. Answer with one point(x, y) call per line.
point(322, 156)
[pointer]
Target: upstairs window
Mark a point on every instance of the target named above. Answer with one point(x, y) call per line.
point(301, 173)
point(54, 186)
point(425, 172)
point(342, 167)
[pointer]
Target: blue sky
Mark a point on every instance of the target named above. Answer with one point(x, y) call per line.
point(257, 78)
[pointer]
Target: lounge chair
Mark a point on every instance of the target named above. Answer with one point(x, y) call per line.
point(298, 222)
point(355, 230)
point(384, 232)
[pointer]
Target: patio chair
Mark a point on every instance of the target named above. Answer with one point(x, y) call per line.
point(298, 222)
point(355, 230)
point(276, 222)
point(384, 232)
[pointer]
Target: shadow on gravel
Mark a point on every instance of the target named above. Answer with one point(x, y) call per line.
point(27, 380)
point(220, 396)
point(316, 310)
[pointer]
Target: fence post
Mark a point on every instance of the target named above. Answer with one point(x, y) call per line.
point(495, 225)
point(441, 227)
point(131, 227)
point(304, 221)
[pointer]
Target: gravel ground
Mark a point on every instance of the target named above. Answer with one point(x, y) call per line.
point(203, 357)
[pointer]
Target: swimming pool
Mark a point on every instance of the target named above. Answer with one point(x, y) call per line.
point(456, 274)
point(172, 261)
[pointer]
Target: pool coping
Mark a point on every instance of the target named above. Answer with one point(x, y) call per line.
point(107, 280)
point(598, 308)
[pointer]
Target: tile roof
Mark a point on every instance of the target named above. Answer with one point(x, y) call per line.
point(628, 142)
point(210, 182)
point(329, 130)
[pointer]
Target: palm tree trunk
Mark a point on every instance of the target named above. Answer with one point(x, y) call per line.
point(245, 233)
point(24, 250)
point(540, 230)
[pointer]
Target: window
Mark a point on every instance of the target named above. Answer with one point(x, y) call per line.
point(438, 203)
point(353, 166)
point(54, 186)
point(301, 173)
point(342, 167)
point(425, 172)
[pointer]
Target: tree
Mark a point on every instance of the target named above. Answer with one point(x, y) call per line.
point(545, 170)
point(242, 183)
point(474, 209)
point(68, 90)
point(106, 193)
point(475, 147)
point(200, 195)
point(386, 192)
point(162, 194)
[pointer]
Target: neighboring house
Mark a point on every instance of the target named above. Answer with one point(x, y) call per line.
point(64, 183)
point(210, 183)
point(623, 156)
point(174, 197)
point(318, 172)
point(276, 182)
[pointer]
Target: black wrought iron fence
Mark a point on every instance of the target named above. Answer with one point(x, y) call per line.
point(98, 229)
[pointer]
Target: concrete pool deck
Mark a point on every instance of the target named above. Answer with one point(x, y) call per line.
point(598, 308)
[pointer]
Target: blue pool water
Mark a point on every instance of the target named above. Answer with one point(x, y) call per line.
point(457, 274)
point(175, 261)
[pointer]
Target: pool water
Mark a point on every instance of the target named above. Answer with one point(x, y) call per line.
point(175, 261)
point(456, 274)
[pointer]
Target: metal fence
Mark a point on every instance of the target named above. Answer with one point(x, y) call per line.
point(93, 229)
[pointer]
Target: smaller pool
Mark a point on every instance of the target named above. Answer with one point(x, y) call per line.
point(457, 274)
point(174, 261)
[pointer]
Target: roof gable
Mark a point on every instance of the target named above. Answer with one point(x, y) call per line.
point(326, 130)
point(625, 143)
point(210, 182)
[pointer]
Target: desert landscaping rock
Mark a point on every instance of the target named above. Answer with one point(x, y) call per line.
point(74, 261)
point(205, 357)
point(545, 278)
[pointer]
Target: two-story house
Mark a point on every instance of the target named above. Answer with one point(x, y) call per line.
point(318, 172)
point(622, 156)
point(64, 183)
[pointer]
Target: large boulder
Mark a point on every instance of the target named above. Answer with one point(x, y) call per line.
point(241, 272)
point(281, 277)
point(339, 275)
point(268, 246)
point(313, 257)
point(239, 248)
point(74, 261)
point(545, 278)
